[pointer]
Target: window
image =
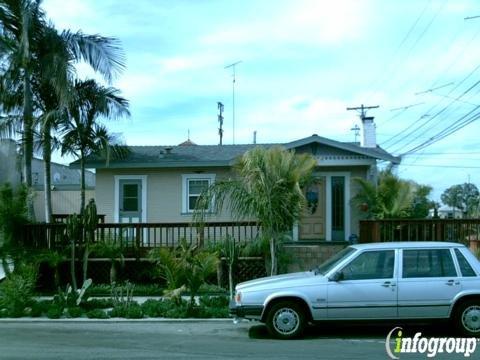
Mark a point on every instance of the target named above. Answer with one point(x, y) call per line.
point(193, 185)
point(370, 265)
point(130, 197)
point(465, 267)
point(428, 263)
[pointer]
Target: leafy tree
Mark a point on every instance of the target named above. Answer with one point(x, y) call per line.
point(268, 187)
point(82, 134)
point(465, 197)
point(390, 197)
point(37, 60)
point(421, 204)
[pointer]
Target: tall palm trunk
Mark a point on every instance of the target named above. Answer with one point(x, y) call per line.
point(82, 182)
point(28, 138)
point(47, 160)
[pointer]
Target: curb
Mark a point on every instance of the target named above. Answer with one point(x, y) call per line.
point(114, 320)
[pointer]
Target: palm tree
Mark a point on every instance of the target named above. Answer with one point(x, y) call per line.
point(390, 197)
point(82, 134)
point(268, 187)
point(35, 53)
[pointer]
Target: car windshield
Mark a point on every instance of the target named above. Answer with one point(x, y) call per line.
point(334, 260)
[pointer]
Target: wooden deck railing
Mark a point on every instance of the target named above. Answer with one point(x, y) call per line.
point(142, 235)
point(456, 230)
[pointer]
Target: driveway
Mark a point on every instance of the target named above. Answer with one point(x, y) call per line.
point(187, 340)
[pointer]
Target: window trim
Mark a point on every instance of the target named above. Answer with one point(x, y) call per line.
point(459, 269)
point(401, 263)
point(394, 273)
point(185, 194)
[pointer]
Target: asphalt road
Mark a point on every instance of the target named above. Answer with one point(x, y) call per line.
point(189, 340)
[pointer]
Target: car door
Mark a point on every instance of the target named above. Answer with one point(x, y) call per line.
point(427, 284)
point(366, 289)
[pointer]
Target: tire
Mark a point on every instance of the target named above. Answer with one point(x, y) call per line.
point(286, 320)
point(467, 318)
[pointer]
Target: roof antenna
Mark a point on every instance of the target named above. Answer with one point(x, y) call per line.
point(220, 120)
point(233, 95)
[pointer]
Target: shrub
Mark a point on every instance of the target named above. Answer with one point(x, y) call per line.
point(97, 304)
point(16, 291)
point(134, 312)
point(160, 308)
point(75, 312)
point(214, 301)
point(54, 311)
point(97, 314)
point(40, 307)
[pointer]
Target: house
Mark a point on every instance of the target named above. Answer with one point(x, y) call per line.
point(161, 183)
point(446, 212)
point(65, 181)
point(9, 163)
point(65, 188)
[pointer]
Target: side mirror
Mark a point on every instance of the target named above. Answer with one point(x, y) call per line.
point(336, 276)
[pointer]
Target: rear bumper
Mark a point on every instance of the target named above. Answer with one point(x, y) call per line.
point(245, 311)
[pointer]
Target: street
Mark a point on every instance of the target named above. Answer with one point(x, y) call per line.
point(192, 340)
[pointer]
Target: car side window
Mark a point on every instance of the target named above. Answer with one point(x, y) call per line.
point(370, 265)
point(428, 263)
point(465, 267)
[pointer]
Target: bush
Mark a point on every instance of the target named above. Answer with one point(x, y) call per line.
point(214, 301)
point(97, 304)
point(16, 291)
point(40, 307)
point(75, 312)
point(97, 314)
point(54, 312)
point(134, 312)
point(158, 308)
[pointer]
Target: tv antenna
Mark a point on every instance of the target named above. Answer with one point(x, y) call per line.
point(233, 95)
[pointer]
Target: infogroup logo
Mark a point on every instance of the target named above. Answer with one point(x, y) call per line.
point(429, 346)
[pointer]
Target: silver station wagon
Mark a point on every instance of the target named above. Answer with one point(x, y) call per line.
point(383, 281)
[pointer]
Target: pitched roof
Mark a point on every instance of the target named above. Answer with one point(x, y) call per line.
point(215, 155)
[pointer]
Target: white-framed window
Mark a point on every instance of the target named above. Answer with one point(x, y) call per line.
point(192, 187)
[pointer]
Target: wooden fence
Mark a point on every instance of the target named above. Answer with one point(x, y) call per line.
point(142, 236)
point(455, 230)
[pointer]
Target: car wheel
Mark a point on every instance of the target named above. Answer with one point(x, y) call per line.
point(467, 318)
point(286, 320)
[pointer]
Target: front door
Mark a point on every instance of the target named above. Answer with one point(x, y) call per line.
point(312, 224)
point(367, 288)
point(130, 201)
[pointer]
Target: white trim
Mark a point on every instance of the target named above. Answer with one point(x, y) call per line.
point(295, 231)
point(116, 206)
point(328, 202)
point(185, 178)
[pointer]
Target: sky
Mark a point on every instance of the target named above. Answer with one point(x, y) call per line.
point(302, 64)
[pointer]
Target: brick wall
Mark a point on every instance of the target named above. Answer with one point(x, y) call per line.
point(307, 257)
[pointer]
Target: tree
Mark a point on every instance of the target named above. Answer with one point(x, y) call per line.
point(465, 197)
point(83, 135)
point(53, 83)
point(390, 197)
point(268, 187)
point(34, 57)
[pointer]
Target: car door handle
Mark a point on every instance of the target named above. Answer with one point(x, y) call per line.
point(388, 283)
point(452, 282)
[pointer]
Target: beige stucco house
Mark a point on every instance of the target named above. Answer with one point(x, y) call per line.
point(158, 184)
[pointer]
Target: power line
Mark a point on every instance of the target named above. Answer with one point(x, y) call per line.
point(442, 166)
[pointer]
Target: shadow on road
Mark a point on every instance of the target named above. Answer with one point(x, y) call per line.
point(359, 331)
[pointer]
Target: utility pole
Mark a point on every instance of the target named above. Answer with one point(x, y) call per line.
point(233, 96)
point(356, 130)
point(363, 109)
point(220, 120)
